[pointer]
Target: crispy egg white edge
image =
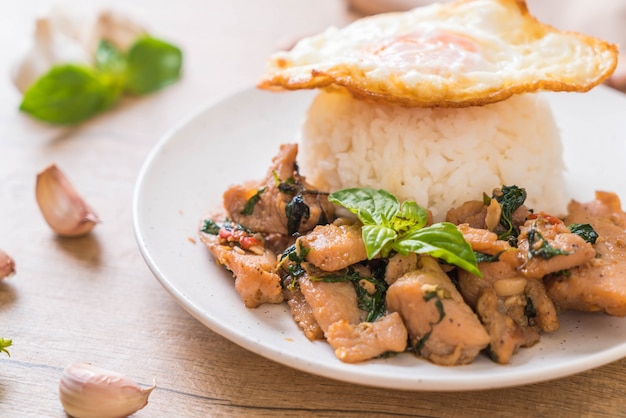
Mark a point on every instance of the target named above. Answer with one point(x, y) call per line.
point(490, 24)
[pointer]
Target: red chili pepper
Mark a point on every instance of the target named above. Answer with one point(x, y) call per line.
point(553, 219)
point(248, 242)
point(225, 233)
point(546, 217)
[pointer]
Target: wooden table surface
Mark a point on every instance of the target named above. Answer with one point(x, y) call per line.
point(94, 299)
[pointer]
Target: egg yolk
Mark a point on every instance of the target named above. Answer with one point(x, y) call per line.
point(440, 52)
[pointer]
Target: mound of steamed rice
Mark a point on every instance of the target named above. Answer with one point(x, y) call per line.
point(437, 157)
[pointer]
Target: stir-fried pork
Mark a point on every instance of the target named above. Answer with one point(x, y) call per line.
point(472, 213)
point(331, 302)
point(399, 265)
point(600, 284)
point(334, 246)
point(302, 312)
point(255, 279)
point(263, 207)
point(505, 334)
point(354, 343)
point(506, 282)
point(483, 241)
point(505, 304)
point(471, 286)
point(475, 214)
point(512, 307)
point(530, 264)
point(548, 246)
point(545, 315)
point(442, 327)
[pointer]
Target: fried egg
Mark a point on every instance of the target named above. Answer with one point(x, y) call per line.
point(464, 53)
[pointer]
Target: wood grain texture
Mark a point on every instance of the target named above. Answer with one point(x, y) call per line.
point(94, 299)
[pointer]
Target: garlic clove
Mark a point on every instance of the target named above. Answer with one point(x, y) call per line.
point(50, 46)
point(120, 30)
point(61, 37)
point(7, 265)
point(494, 213)
point(61, 206)
point(88, 391)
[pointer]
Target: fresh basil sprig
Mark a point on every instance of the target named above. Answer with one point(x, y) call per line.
point(71, 93)
point(152, 65)
point(68, 94)
point(4, 344)
point(389, 226)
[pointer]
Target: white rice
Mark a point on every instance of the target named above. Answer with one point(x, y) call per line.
point(437, 157)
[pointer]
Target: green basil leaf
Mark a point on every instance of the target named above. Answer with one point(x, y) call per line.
point(111, 65)
point(109, 59)
point(376, 238)
point(68, 94)
point(372, 303)
point(510, 199)
point(486, 258)
point(538, 246)
point(152, 65)
point(210, 227)
point(585, 231)
point(411, 216)
point(388, 226)
point(441, 240)
point(248, 209)
point(295, 211)
point(371, 206)
point(4, 344)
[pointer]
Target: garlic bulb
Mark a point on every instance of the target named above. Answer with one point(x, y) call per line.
point(50, 46)
point(88, 391)
point(7, 265)
point(63, 38)
point(61, 206)
point(116, 28)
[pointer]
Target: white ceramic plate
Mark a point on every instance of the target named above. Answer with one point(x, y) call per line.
point(234, 140)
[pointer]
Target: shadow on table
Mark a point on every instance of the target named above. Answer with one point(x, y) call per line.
point(8, 295)
point(86, 250)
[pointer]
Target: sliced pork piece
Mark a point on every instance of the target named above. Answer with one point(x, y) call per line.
point(354, 343)
point(548, 246)
point(331, 301)
point(472, 213)
point(282, 203)
point(334, 246)
point(506, 335)
point(278, 243)
point(483, 241)
point(543, 313)
point(442, 327)
point(505, 274)
point(513, 309)
point(399, 265)
point(600, 284)
point(471, 286)
point(476, 214)
point(302, 312)
point(606, 206)
point(255, 280)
